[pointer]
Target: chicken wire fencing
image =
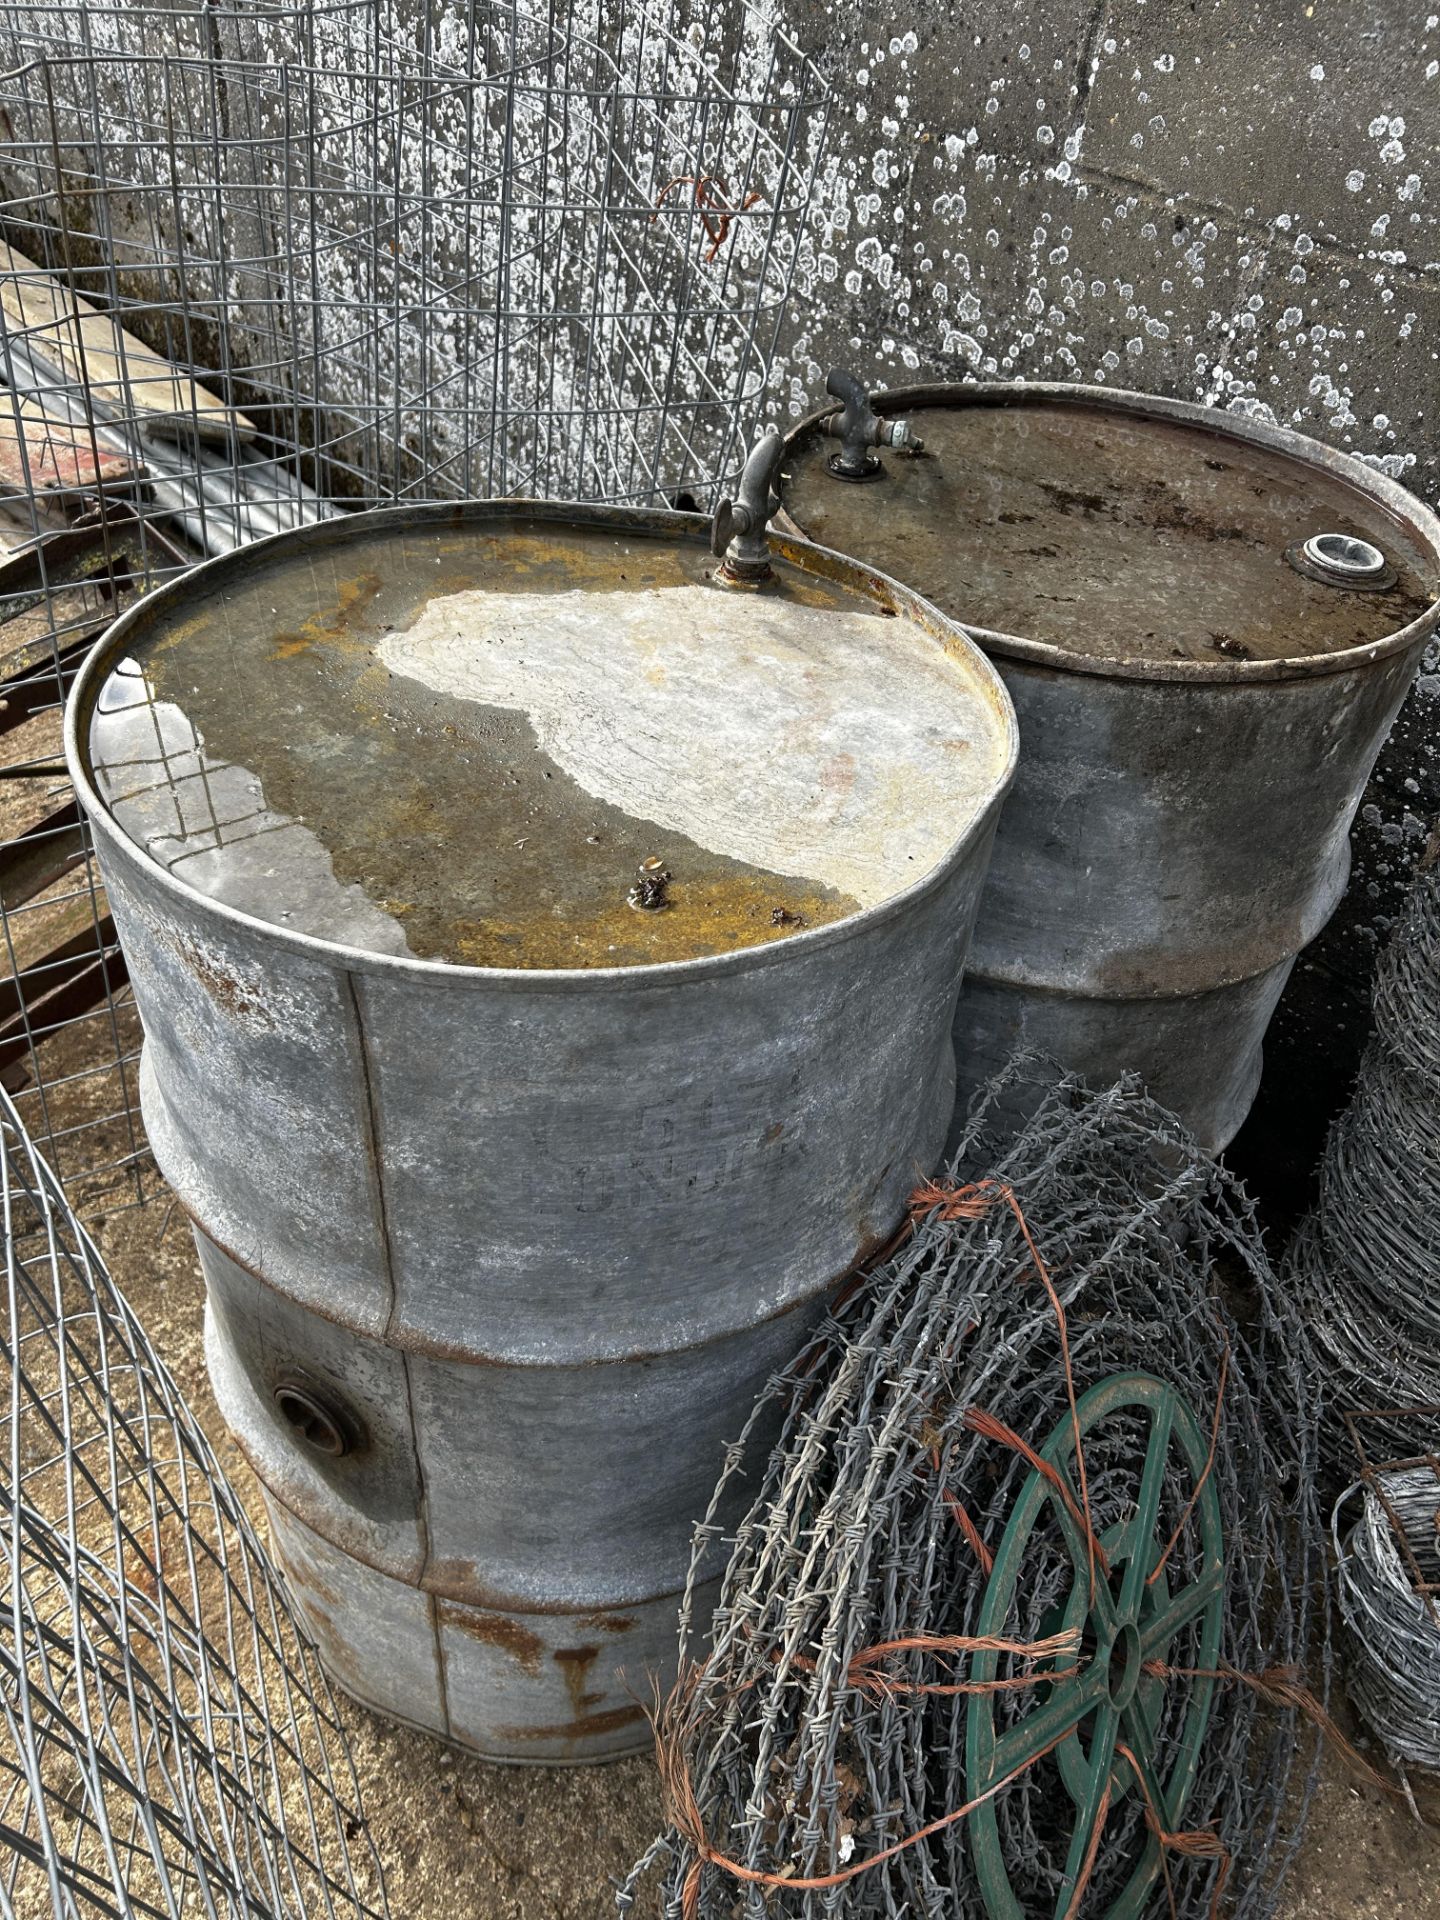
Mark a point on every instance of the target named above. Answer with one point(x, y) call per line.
point(262, 264)
point(171, 1745)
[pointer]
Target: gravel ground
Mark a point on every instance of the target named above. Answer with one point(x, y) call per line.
point(464, 1841)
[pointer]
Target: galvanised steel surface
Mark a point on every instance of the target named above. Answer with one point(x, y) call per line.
point(1200, 706)
point(497, 1257)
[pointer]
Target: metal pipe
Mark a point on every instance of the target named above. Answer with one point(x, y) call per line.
point(738, 532)
point(858, 428)
point(219, 503)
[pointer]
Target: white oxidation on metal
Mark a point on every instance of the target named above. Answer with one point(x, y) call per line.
point(1179, 828)
point(515, 1247)
point(661, 741)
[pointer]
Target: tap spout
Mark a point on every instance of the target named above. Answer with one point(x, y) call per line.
point(858, 428)
point(738, 533)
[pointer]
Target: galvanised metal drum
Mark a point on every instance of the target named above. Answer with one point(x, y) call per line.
point(1207, 626)
point(547, 944)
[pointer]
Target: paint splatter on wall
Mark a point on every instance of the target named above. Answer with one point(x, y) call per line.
point(1199, 202)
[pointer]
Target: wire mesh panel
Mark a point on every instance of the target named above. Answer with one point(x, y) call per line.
point(171, 1746)
point(261, 264)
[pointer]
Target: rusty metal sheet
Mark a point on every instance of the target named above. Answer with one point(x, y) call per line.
point(38, 456)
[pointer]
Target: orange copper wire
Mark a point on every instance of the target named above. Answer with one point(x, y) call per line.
point(960, 1515)
point(713, 201)
point(1196, 1843)
point(1284, 1687)
point(1092, 1853)
point(1192, 1502)
point(706, 1855)
point(949, 1201)
point(990, 1428)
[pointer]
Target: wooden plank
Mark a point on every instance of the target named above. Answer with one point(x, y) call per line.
point(88, 549)
point(39, 456)
point(53, 930)
point(64, 589)
point(93, 349)
point(40, 856)
point(28, 990)
point(81, 991)
point(42, 687)
point(30, 638)
point(35, 579)
point(24, 522)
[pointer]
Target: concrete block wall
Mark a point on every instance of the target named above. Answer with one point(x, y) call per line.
point(1231, 201)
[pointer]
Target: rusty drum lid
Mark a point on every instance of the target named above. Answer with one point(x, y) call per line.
point(1109, 528)
point(506, 739)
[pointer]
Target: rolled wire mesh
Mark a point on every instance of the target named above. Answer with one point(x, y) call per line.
point(261, 263)
point(825, 1727)
point(1364, 1267)
point(1387, 1554)
point(171, 1747)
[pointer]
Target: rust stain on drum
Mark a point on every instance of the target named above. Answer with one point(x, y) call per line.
point(575, 1664)
point(318, 1597)
point(468, 750)
point(591, 1726)
point(351, 599)
point(612, 1623)
point(1115, 535)
point(1170, 973)
point(447, 824)
point(237, 998)
point(500, 1630)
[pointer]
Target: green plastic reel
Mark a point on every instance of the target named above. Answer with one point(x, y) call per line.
point(1111, 1700)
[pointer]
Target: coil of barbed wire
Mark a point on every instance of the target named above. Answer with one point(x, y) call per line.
point(1407, 985)
point(1364, 1266)
point(1392, 1627)
point(962, 1665)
